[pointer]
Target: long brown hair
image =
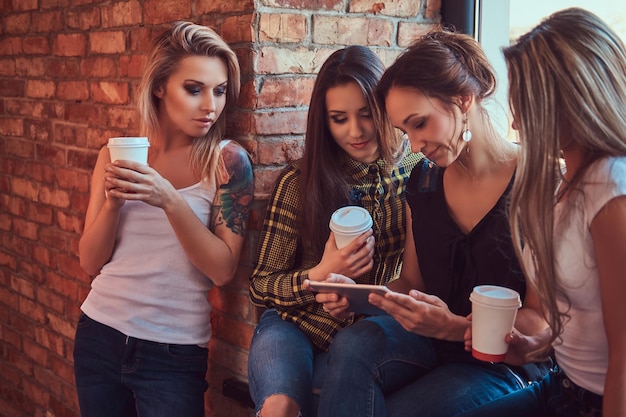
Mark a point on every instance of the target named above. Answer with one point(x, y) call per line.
point(567, 85)
point(324, 187)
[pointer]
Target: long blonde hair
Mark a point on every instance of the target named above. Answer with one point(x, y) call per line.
point(185, 39)
point(567, 84)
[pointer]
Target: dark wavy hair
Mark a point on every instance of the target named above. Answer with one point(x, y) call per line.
point(324, 187)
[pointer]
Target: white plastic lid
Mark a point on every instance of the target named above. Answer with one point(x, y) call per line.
point(129, 141)
point(495, 296)
point(350, 219)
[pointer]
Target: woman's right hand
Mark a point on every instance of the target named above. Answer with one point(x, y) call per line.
point(352, 260)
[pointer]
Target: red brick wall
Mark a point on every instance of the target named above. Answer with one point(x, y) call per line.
point(69, 71)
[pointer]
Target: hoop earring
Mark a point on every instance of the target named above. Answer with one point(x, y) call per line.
point(466, 135)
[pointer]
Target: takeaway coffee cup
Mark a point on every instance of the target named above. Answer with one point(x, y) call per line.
point(493, 314)
point(348, 223)
point(129, 148)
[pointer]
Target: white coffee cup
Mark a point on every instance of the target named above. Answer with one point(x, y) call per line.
point(129, 148)
point(348, 223)
point(493, 314)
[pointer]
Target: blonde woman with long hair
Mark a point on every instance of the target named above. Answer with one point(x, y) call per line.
point(568, 97)
point(158, 237)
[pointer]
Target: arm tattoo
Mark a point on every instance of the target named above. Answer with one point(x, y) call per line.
point(237, 193)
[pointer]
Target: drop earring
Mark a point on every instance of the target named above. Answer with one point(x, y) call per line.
point(466, 135)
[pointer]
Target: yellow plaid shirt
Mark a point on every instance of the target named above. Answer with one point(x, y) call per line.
point(282, 265)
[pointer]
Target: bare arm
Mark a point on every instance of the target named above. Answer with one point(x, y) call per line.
point(100, 230)
point(216, 253)
point(410, 275)
point(608, 230)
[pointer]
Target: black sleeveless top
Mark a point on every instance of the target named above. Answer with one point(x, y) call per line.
point(452, 262)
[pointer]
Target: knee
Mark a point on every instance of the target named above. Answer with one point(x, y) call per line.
point(358, 340)
point(279, 405)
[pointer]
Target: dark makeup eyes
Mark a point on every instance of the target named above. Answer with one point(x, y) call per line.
point(196, 89)
point(340, 118)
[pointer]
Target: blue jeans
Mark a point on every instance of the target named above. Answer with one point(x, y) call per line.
point(554, 396)
point(380, 369)
point(282, 360)
point(123, 376)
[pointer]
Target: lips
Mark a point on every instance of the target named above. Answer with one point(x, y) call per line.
point(360, 145)
point(204, 122)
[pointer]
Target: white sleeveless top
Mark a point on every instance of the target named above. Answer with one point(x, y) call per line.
point(149, 289)
point(583, 355)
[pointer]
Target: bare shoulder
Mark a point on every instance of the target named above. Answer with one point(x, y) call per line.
point(235, 189)
point(236, 165)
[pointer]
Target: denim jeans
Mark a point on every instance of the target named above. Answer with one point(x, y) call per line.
point(282, 360)
point(379, 369)
point(123, 376)
point(554, 396)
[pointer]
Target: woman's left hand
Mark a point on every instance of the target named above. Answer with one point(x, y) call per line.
point(134, 181)
point(423, 314)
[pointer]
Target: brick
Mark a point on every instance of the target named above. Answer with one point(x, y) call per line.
point(395, 8)
point(50, 21)
point(44, 256)
point(41, 215)
point(7, 67)
point(292, 91)
point(126, 13)
point(49, 340)
point(11, 88)
point(232, 331)
point(282, 28)
point(131, 66)
point(163, 11)
point(54, 197)
point(110, 93)
point(61, 325)
point(62, 68)
point(36, 45)
point(279, 151)
point(223, 6)
point(52, 155)
point(11, 127)
point(70, 134)
point(231, 357)
point(80, 112)
point(11, 46)
point(340, 30)
point(25, 229)
point(98, 67)
point(40, 89)
point(70, 222)
point(301, 60)
point(83, 19)
point(72, 90)
point(432, 9)
point(24, 5)
point(237, 29)
point(50, 300)
point(280, 123)
point(81, 159)
point(124, 118)
point(17, 24)
point(31, 67)
point(264, 180)
point(28, 308)
point(305, 4)
point(71, 180)
point(110, 42)
point(409, 31)
point(74, 44)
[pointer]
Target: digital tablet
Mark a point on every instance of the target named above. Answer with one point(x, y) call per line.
point(355, 293)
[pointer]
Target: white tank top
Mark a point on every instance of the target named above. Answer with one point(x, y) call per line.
point(149, 289)
point(584, 354)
